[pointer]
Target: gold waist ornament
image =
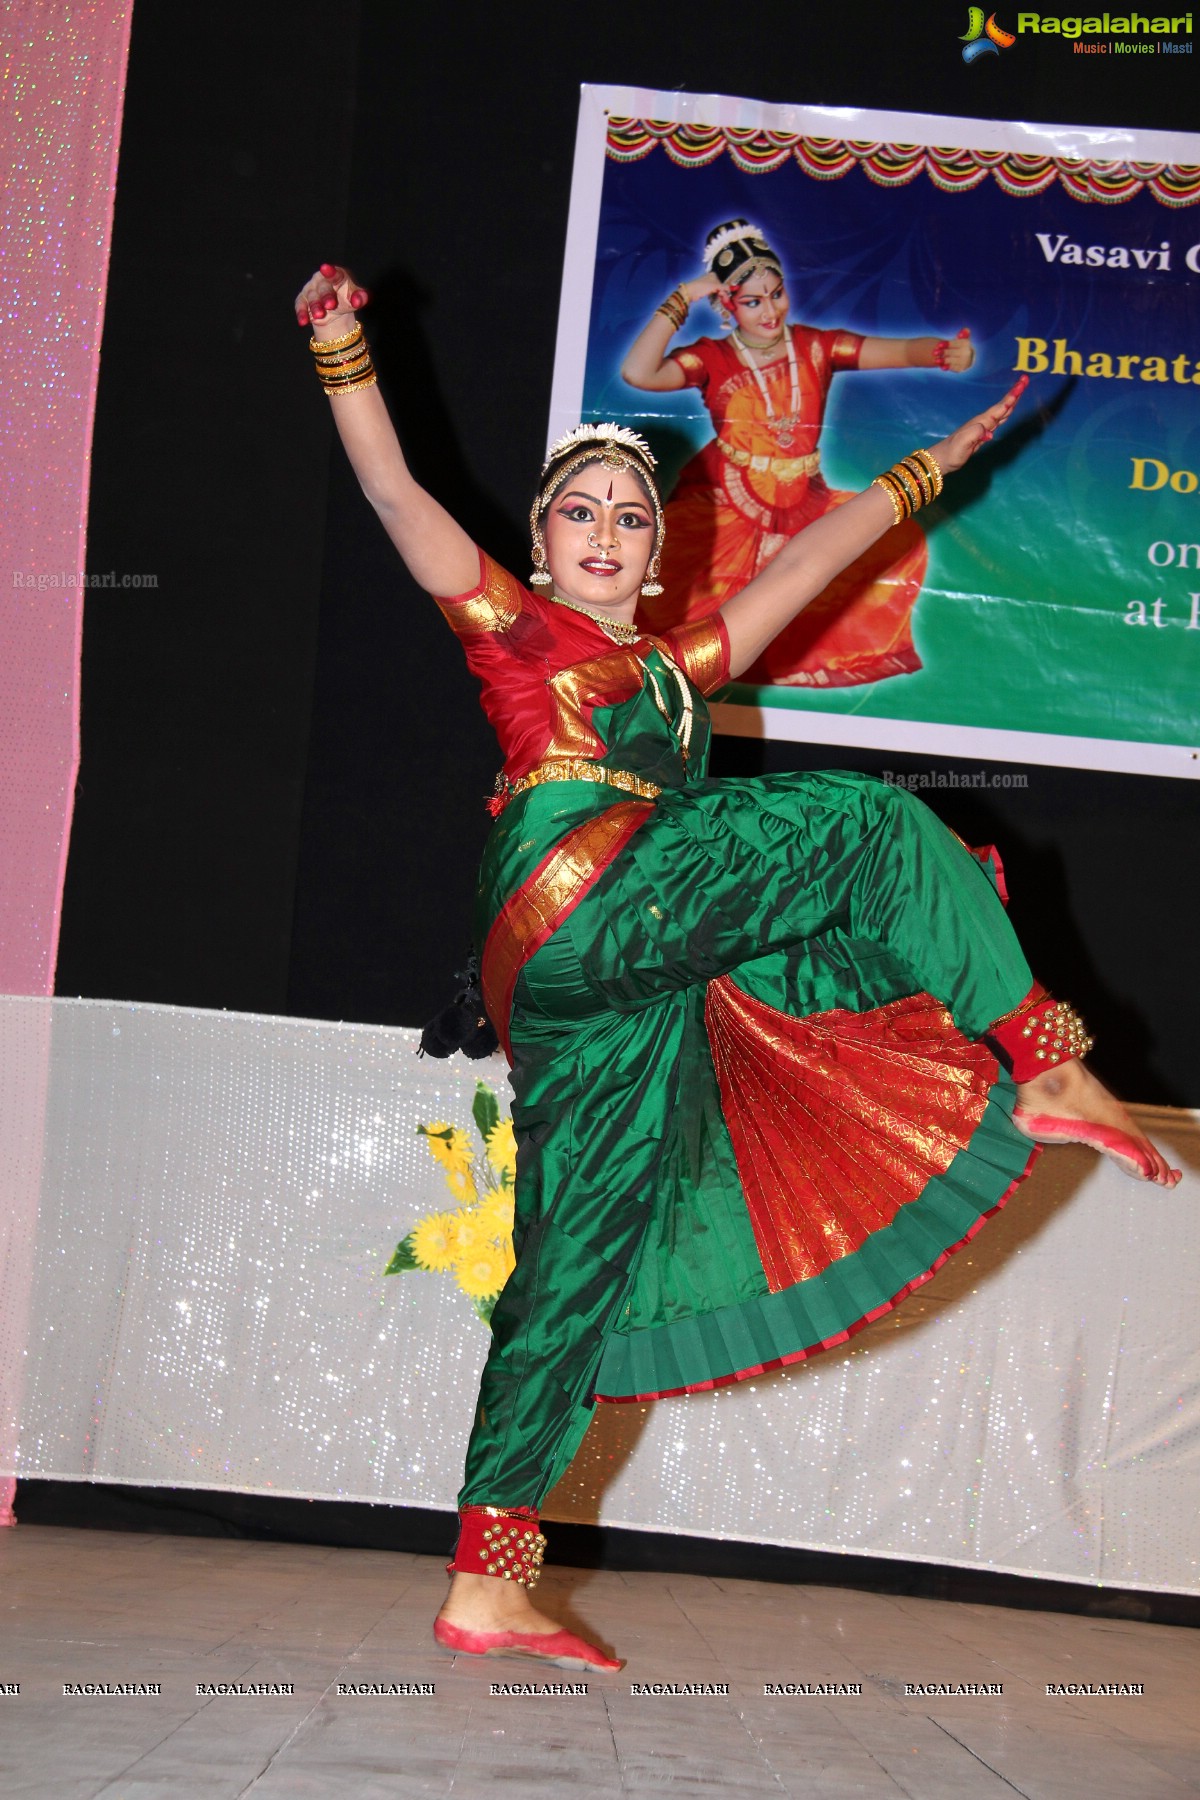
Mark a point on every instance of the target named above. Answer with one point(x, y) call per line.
point(784, 468)
point(572, 768)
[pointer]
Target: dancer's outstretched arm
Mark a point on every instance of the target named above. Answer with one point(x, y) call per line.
point(955, 354)
point(823, 549)
point(439, 554)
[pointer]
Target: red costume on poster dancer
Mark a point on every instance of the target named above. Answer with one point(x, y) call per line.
point(758, 481)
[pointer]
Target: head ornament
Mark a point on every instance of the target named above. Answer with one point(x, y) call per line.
point(616, 438)
point(736, 251)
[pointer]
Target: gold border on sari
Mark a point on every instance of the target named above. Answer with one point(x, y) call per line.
point(494, 606)
point(578, 690)
point(702, 651)
point(539, 906)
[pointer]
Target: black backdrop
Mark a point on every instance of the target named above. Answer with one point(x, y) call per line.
point(282, 757)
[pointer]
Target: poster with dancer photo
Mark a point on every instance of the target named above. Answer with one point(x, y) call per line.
point(897, 272)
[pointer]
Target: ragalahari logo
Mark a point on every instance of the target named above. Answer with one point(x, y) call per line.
point(984, 38)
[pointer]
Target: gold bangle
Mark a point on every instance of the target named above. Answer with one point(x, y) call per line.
point(903, 488)
point(353, 388)
point(347, 371)
point(359, 348)
point(908, 486)
point(904, 491)
point(340, 387)
point(344, 356)
point(889, 487)
point(930, 462)
point(915, 460)
point(675, 308)
point(920, 475)
point(320, 346)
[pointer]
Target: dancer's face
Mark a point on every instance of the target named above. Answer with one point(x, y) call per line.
point(599, 536)
point(760, 306)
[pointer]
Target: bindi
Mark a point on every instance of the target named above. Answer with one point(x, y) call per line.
point(610, 485)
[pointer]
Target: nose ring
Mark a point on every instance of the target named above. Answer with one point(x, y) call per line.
point(592, 540)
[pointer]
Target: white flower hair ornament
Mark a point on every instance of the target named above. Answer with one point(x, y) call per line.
point(609, 434)
point(739, 232)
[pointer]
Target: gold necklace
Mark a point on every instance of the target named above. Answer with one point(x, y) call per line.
point(618, 630)
point(784, 429)
point(747, 345)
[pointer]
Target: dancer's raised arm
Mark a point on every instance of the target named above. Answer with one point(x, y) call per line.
point(647, 364)
point(439, 554)
point(806, 565)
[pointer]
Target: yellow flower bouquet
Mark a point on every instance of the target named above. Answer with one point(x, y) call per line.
point(474, 1241)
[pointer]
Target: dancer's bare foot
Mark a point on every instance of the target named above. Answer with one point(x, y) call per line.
point(1068, 1105)
point(486, 1617)
point(481, 1603)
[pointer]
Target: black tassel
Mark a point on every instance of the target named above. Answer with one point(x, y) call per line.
point(464, 1024)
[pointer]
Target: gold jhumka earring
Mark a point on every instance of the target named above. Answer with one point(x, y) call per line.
point(652, 586)
point(541, 576)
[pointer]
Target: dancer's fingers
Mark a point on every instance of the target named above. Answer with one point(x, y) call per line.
point(330, 289)
point(994, 417)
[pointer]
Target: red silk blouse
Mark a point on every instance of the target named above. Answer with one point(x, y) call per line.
point(544, 669)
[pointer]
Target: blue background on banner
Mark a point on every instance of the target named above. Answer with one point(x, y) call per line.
point(1051, 545)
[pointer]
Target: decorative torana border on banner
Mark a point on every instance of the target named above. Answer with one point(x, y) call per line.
point(895, 165)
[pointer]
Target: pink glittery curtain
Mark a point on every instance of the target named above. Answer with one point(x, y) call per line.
point(64, 79)
point(60, 117)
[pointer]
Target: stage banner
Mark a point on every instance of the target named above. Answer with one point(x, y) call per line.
point(1047, 608)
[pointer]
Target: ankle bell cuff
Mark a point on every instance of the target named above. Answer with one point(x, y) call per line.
point(505, 1541)
point(1039, 1034)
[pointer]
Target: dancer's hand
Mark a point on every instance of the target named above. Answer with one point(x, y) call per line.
point(329, 300)
point(701, 287)
point(962, 444)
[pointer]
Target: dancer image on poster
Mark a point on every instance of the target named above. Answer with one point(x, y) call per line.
point(758, 481)
point(776, 1052)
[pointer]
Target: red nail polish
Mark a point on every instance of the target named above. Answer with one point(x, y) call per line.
point(327, 268)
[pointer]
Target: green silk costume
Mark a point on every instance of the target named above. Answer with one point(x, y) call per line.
point(751, 1107)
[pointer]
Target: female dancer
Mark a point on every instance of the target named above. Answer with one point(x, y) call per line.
point(758, 482)
point(767, 1035)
